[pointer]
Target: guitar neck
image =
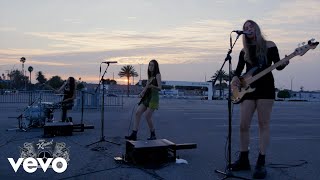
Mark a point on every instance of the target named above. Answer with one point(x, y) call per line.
point(270, 68)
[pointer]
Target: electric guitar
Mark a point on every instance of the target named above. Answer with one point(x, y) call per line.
point(144, 91)
point(248, 78)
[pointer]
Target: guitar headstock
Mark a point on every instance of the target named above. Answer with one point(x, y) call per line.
point(301, 50)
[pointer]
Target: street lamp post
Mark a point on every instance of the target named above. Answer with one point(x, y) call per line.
point(140, 82)
point(291, 83)
point(140, 71)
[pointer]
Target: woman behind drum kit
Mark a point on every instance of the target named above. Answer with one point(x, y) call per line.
point(69, 94)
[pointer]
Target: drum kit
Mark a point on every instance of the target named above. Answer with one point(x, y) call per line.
point(40, 114)
point(37, 114)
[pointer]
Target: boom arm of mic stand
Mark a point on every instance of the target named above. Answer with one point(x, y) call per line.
point(102, 78)
point(228, 58)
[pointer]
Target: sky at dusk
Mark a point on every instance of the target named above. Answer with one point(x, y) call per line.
point(189, 38)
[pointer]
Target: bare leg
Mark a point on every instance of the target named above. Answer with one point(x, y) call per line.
point(148, 115)
point(141, 109)
point(64, 114)
point(264, 109)
point(247, 109)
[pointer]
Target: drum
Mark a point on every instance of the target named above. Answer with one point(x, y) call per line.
point(47, 105)
point(35, 116)
point(47, 108)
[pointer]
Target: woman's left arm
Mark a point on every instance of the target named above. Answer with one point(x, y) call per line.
point(61, 88)
point(274, 55)
point(73, 96)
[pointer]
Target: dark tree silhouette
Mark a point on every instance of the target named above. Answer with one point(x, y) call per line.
point(128, 71)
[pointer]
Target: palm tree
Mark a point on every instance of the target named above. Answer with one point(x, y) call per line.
point(30, 69)
point(128, 71)
point(23, 60)
point(221, 76)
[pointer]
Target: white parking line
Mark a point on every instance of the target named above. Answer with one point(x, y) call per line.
point(291, 138)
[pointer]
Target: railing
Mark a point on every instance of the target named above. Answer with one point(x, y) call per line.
point(94, 100)
point(28, 97)
point(90, 100)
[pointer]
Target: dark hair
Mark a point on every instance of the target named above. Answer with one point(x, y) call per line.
point(72, 83)
point(155, 69)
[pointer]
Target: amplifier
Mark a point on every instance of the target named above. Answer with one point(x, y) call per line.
point(58, 129)
point(153, 153)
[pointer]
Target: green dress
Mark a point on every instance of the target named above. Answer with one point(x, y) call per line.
point(151, 97)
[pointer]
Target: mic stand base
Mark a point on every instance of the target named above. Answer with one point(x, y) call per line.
point(99, 148)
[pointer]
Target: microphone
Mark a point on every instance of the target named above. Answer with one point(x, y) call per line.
point(109, 62)
point(242, 32)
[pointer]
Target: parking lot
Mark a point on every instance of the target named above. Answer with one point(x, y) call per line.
point(293, 151)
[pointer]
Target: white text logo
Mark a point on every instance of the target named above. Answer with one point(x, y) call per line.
point(30, 165)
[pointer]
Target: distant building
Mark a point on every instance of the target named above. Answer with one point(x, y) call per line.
point(305, 95)
point(187, 88)
point(169, 88)
point(116, 88)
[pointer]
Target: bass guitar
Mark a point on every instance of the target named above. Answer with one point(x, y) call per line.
point(143, 94)
point(248, 78)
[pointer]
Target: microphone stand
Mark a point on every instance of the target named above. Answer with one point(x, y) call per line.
point(102, 138)
point(82, 126)
point(228, 173)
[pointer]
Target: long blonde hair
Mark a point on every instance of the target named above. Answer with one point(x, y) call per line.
point(261, 44)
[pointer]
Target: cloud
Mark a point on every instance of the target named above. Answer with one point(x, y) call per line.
point(17, 52)
point(295, 12)
point(198, 32)
point(201, 35)
point(49, 63)
point(8, 29)
point(73, 21)
point(132, 17)
point(200, 41)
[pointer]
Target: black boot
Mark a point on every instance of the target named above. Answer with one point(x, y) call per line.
point(132, 137)
point(260, 171)
point(152, 135)
point(242, 164)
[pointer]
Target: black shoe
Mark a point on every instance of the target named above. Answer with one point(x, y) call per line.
point(69, 119)
point(259, 172)
point(242, 164)
point(132, 137)
point(152, 137)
